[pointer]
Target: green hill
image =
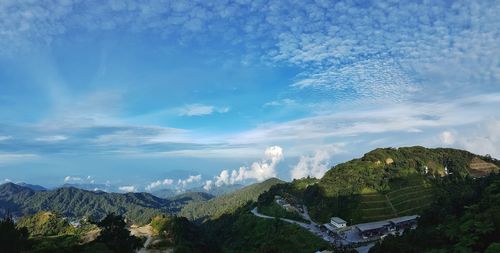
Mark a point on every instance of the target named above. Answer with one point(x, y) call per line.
point(72, 202)
point(188, 197)
point(45, 224)
point(464, 218)
point(226, 203)
point(384, 183)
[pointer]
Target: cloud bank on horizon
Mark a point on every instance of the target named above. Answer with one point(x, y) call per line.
point(151, 94)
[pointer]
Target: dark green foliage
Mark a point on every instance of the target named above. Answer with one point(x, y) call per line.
point(464, 218)
point(12, 239)
point(115, 235)
point(346, 189)
point(188, 197)
point(241, 231)
point(179, 234)
point(226, 203)
point(275, 210)
point(72, 202)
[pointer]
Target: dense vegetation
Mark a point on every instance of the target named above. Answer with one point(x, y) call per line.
point(189, 197)
point(464, 218)
point(72, 202)
point(180, 235)
point(215, 191)
point(241, 231)
point(383, 183)
point(459, 213)
point(12, 238)
point(115, 235)
point(226, 203)
point(45, 224)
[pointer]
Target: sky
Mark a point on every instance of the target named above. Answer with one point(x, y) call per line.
point(151, 94)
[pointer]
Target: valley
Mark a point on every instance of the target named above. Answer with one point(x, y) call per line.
point(363, 192)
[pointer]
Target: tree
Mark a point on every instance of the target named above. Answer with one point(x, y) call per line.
point(115, 235)
point(12, 239)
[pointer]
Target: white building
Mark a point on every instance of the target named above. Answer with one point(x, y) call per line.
point(338, 222)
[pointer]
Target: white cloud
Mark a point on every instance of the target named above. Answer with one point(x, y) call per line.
point(158, 183)
point(201, 110)
point(191, 179)
point(52, 138)
point(71, 178)
point(281, 102)
point(447, 137)
point(485, 139)
point(259, 171)
point(153, 185)
point(4, 137)
point(168, 181)
point(208, 185)
point(127, 188)
point(317, 164)
point(16, 157)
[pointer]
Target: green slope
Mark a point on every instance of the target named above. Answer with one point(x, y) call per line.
point(464, 218)
point(72, 202)
point(227, 203)
point(383, 183)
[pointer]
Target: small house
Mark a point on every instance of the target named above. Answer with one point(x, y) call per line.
point(338, 222)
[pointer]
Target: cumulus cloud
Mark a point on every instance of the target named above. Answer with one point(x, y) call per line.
point(201, 110)
point(208, 185)
point(317, 164)
point(485, 139)
point(259, 171)
point(127, 188)
point(447, 137)
point(158, 183)
point(191, 179)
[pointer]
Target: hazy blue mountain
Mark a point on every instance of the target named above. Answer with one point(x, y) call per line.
point(91, 187)
point(33, 186)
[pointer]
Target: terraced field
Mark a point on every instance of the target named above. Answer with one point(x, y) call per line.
point(411, 200)
point(404, 201)
point(375, 206)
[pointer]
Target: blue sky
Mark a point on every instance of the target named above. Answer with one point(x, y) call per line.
point(149, 94)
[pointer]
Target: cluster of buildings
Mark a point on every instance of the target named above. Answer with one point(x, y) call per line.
point(372, 230)
point(390, 226)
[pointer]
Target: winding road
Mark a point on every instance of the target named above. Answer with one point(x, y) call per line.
point(312, 227)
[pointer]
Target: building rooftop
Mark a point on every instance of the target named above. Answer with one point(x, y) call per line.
point(338, 220)
point(330, 227)
point(372, 225)
point(403, 219)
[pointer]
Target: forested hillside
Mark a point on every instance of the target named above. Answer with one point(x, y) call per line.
point(72, 202)
point(383, 183)
point(464, 218)
point(227, 203)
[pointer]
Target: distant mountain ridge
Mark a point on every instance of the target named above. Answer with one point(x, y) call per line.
point(73, 202)
point(215, 191)
point(33, 186)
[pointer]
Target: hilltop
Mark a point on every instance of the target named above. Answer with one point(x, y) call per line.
point(384, 183)
point(227, 203)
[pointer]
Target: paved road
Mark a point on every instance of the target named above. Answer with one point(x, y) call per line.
point(313, 227)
